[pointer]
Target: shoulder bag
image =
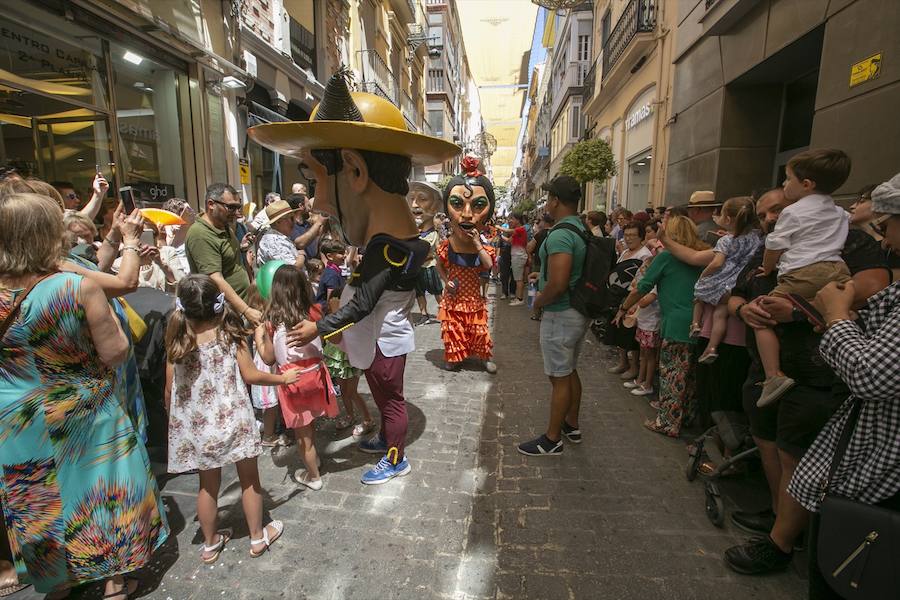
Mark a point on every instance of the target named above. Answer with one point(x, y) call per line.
point(858, 543)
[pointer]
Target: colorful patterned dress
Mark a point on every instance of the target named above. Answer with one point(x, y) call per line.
point(463, 313)
point(79, 500)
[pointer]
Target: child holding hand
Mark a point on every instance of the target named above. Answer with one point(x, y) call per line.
point(211, 420)
point(312, 394)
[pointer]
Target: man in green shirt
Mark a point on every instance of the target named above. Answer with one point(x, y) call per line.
point(562, 327)
point(212, 249)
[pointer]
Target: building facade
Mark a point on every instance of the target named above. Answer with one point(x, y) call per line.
point(146, 92)
point(628, 100)
point(758, 81)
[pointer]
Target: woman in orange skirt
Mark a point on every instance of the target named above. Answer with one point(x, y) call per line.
point(462, 258)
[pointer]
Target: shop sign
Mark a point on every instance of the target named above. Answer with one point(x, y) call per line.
point(866, 69)
point(244, 166)
point(154, 192)
point(639, 115)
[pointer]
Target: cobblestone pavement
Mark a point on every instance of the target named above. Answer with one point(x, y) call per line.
point(613, 518)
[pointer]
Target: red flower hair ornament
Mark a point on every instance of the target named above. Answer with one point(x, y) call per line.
point(470, 166)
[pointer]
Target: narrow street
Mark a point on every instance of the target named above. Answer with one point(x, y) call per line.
point(612, 518)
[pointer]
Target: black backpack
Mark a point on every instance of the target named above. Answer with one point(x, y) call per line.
point(590, 294)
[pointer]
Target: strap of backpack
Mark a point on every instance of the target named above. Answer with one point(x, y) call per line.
point(570, 227)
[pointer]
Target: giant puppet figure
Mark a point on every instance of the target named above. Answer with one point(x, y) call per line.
point(424, 199)
point(462, 258)
point(357, 149)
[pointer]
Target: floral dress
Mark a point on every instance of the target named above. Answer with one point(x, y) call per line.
point(463, 313)
point(79, 500)
point(211, 422)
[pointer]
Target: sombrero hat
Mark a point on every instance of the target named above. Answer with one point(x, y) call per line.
point(353, 120)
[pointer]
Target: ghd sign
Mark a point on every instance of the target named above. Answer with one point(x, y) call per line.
point(639, 115)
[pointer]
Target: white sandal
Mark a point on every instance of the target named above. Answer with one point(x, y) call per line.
point(224, 536)
point(279, 528)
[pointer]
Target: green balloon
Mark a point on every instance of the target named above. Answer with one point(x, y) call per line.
point(265, 275)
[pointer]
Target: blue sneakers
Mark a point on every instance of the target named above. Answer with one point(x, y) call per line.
point(373, 445)
point(384, 471)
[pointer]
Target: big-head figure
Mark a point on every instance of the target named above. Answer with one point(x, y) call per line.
point(358, 151)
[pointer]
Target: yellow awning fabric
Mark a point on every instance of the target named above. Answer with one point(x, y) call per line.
point(549, 29)
point(48, 87)
point(58, 128)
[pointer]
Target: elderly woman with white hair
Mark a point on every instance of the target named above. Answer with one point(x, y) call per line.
point(850, 476)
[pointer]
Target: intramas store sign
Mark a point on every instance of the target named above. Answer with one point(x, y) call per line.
point(639, 115)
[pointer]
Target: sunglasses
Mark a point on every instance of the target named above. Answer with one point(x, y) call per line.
point(229, 207)
point(879, 225)
point(71, 196)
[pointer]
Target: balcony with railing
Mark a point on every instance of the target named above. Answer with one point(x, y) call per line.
point(631, 37)
point(590, 81)
point(377, 77)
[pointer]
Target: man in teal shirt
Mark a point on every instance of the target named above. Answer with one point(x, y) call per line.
point(562, 327)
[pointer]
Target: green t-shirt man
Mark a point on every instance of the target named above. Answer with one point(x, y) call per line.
point(563, 241)
point(211, 250)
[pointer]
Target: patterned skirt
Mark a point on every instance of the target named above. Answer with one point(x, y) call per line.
point(465, 332)
point(338, 363)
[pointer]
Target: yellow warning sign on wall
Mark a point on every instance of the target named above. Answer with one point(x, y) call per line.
point(245, 170)
point(866, 69)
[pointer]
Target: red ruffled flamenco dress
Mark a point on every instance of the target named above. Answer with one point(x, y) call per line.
point(463, 314)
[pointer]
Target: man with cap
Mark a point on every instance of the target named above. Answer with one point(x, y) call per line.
point(701, 208)
point(274, 240)
point(562, 327)
point(357, 149)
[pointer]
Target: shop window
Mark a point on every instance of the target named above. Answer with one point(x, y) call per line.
point(58, 58)
point(149, 96)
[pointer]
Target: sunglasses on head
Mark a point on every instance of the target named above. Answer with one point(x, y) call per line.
point(879, 225)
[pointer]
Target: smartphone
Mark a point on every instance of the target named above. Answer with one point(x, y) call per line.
point(809, 311)
point(126, 194)
point(97, 169)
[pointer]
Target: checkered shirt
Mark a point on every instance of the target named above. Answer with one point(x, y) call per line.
point(868, 361)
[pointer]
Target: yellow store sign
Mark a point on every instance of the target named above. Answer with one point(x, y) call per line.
point(866, 69)
point(245, 171)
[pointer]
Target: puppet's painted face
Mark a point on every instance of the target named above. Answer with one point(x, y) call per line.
point(423, 203)
point(468, 207)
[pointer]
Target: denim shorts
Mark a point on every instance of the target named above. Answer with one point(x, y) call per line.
point(562, 335)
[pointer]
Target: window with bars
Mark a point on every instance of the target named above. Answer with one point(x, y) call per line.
point(435, 80)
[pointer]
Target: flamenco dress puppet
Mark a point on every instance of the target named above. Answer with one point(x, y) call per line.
point(461, 259)
point(358, 153)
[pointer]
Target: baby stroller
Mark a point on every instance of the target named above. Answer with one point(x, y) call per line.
point(731, 431)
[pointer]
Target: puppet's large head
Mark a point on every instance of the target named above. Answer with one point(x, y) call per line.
point(425, 200)
point(469, 197)
point(354, 142)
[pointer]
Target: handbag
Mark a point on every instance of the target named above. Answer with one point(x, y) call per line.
point(858, 543)
point(14, 311)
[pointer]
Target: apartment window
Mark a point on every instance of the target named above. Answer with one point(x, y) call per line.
point(577, 121)
point(604, 28)
point(435, 80)
point(584, 45)
point(436, 121)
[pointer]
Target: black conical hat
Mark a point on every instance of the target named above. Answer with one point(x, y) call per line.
point(337, 104)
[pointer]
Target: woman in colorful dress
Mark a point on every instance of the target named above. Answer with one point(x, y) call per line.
point(80, 503)
point(462, 257)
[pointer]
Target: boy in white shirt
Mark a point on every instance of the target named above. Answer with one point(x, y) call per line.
point(806, 246)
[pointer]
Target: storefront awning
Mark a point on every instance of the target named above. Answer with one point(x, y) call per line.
point(259, 114)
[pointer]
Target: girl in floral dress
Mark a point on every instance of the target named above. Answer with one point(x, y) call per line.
point(462, 257)
point(211, 420)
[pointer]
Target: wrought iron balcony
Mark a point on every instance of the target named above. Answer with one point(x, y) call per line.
point(589, 80)
point(639, 16)
point(377, 77)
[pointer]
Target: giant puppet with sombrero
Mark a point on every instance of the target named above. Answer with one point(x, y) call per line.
point(358, 151)
point(461, 259)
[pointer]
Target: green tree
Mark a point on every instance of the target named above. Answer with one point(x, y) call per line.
point(444, 181)
point(589, 160)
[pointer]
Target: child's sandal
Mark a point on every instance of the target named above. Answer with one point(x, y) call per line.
point(224, 536)
point(361, 429)
point(279, 529)
point(695, 330)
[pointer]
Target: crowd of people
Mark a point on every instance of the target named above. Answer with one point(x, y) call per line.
point(779, 305)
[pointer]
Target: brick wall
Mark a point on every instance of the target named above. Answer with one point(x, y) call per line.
point(257, 16)
point(335, 36)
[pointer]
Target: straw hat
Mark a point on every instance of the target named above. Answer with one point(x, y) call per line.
point(703, 199)
point(353, 120)
point(278, 210)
